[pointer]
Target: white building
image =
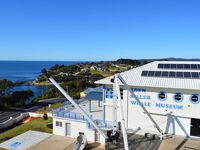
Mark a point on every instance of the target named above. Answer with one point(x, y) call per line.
point(169, 90)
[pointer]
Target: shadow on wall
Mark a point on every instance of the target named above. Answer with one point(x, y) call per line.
point(171, 125)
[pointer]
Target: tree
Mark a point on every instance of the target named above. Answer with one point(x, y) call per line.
point(5, 85)
point(128, 62)
point(20, 97)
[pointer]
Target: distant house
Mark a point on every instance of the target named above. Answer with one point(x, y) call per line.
point(93, 67)
point(64, 74)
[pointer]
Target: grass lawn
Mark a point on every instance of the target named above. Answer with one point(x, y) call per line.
point(103, 73)
point(37, 125)
point(57, 105)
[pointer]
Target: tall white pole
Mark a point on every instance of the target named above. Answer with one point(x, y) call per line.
point(117, 82)
point(78, 107)
point(114, 107)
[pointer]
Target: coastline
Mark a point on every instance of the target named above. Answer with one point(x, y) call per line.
point(40, 84)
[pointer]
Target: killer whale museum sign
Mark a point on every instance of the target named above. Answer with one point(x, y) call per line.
point(146, 101)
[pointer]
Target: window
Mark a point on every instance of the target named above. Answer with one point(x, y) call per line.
point(58, 124)
point(121, 93)
point(178, 97)
point(195, 99)
point(162, 96)
point(109, 93)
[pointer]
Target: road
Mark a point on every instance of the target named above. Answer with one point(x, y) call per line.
point(14, 112)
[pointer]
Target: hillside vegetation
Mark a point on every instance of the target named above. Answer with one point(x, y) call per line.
point(76, 78)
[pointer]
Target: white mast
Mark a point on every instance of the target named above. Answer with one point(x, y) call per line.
point(117, 89)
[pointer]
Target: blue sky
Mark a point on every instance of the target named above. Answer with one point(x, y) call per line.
point(99, 29)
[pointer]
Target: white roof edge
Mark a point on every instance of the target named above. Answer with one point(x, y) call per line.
point(133, 78)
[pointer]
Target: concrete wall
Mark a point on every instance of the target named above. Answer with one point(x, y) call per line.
point(76, 127)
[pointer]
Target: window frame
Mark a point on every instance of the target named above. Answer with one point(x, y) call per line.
point(164, 99)
point(193, 102)
point(182, 97)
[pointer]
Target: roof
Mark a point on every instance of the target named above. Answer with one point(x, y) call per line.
point(96, 89)
point(95, 96)
point(133, 77)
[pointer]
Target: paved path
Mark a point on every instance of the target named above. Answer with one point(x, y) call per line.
point(5, 115)
point(25, 140)
point(180, 143)
point(54, 142)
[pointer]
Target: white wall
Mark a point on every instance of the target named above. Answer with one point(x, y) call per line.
point(76, 127)
point(136, 118)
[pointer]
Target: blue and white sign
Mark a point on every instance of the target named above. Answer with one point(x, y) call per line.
point(15, 145)
point(146, 101)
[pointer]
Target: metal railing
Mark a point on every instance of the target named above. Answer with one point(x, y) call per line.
point(63, 113)
point(101, 124)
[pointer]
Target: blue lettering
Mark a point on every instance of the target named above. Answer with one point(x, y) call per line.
point(180, 107)
point(139, 90)
point(142, 97)
point(134, 102)
point(169, 106)
point(148, 98)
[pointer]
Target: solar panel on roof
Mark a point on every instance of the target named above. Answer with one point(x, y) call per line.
point(144, 73)
point(172, 74)
point(194, 66)
point(195, 74)
point(187, 75)
point(165, 74)
point(151, 73)
point(173, 66)
point(187, 66)
point(179, 74)
point(166, 66)
point(179, 66)
point(160, 65)
point(157, 73)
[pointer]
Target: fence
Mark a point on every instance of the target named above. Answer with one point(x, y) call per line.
point(78, 116)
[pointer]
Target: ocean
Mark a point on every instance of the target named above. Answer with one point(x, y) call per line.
point(27, 71)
